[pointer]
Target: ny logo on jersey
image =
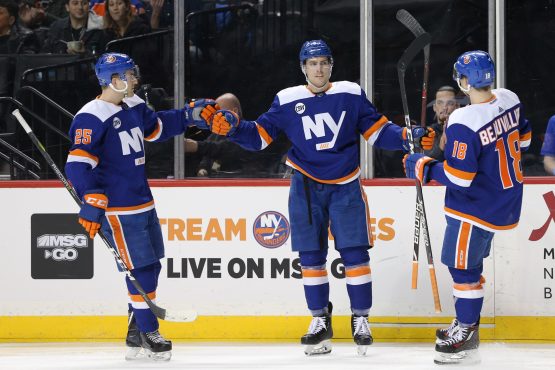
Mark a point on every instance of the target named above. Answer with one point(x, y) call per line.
point(317, 127)
point(131, 141)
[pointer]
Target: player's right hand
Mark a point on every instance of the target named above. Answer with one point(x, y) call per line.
point(200, 112)
point(417, 166)
point(225, 123)
point(94, 206)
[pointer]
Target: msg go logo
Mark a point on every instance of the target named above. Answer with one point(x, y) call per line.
point(62, 247)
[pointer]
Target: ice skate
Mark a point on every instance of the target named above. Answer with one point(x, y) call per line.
point(155, 347)
point(362, 335)
point(444, 333)
point(133, 340)
point(317, 340)
point(461, 347)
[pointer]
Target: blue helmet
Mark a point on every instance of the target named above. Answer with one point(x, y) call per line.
point(313, 49)
point(110, 64)
point(477, 66)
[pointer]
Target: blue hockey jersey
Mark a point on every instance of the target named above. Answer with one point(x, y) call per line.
point(483, 170)
point(108, 151)
point(324, 130)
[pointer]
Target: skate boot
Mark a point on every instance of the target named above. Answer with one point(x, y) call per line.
point(362, 335)
point(155, 346)
point(133, 339)
point(444, 333)
point(459, 347)
point(317, 340)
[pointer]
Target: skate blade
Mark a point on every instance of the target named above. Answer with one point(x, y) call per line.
point(469, 357)
point(134, 354)
point(321, 348)
point(361, 350)
point(158, 356)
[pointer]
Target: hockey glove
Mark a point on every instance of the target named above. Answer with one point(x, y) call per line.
point(423, 138)
point(225, 123)
point(200, 112)
point(417, 166)
point(92, 211)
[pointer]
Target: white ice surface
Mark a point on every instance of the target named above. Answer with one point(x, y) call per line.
point(282, 356)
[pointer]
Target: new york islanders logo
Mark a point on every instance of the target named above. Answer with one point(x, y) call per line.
point(110, 59)
point(466, 59)
point(271, 229)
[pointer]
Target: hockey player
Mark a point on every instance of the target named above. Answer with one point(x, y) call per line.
point(324, 121)
point(483, 176)
point(106, 165)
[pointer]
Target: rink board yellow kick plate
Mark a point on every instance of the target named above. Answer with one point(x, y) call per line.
point(266, 328)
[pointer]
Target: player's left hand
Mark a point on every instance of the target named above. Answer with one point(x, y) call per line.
point(200, 112)
point(423, 138)
point(225, 123)
point(417, 166)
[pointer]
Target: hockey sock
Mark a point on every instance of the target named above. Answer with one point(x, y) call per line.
point(315, 281)
point(147, 276)
point(359, 279)
point(468, 293)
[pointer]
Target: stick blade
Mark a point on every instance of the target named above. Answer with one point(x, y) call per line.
point(410, 22)
point(180, 315)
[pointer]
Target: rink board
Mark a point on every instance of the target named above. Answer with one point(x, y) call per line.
point(229, 257)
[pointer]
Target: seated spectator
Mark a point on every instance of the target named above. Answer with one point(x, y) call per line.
point(548, 148)
point(99, 7)
point(444, 104)
point(31, 15)
point(120, 22)
point(74, 34)
point(14, 39)
point(223, 158)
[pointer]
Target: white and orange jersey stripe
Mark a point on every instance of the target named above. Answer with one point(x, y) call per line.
point(119, 239)
point(477, 221)
point(80, 155)
point(155, 135)
point(458, 177)
point(131, 210)
point(343, 180)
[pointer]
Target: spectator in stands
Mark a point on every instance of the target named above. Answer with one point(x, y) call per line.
point(444, 104)
point(31, 14)
point(159, 13)
point(120, 22)
point(548, 148)
point(14, 39)
point(223, 158)
point(99, 7)
point(74, 34)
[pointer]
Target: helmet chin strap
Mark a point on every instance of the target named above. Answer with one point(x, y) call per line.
point(467, 90)
point(124, 90)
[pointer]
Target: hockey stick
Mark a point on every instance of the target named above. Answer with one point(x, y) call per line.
point(412, 24)
point(161, 313)
point(408, 55)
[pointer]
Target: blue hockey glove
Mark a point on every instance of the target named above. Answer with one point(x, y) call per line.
point(417, 166)
point(423, 138)
point(225, 123)
point(92, 211)
point(200, 112)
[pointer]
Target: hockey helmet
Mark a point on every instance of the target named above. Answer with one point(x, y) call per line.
point(313, 49)
point(477, 66)
point(110, 64)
